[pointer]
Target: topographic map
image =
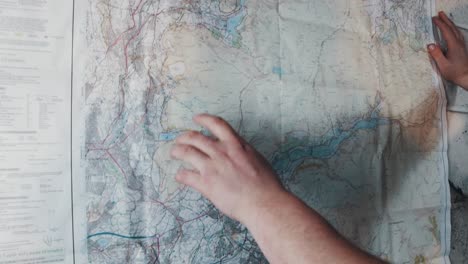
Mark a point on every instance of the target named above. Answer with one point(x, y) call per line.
point(339, 95)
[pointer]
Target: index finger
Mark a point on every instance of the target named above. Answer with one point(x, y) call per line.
point(217, 126)
point(450, 23)
point(446, 31)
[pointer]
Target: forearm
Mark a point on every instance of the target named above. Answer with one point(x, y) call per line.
point(240, 182)
point(288, 231)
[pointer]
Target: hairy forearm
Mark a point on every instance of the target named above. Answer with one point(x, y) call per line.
point(288, 231)
point(241, 183)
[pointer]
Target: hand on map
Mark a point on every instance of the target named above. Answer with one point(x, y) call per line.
point(227, 170)
point(240, 182)
point(453, 65)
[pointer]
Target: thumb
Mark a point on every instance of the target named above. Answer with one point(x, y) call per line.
point(438, 56)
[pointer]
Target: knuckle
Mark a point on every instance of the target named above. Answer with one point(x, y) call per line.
point(182, 174)
point(202, 168)
point(245, 146)
point(186, 149)
point(224, 156)
point(219, 121)
point(238, 147)
point(240, 144)
point(191, 135)
point(207, 181)
point(207, 170)
point(226, 160)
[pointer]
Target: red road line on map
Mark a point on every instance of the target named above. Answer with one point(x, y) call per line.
point(122, 91)
point(128, 43)
point(121, 109)
point(172, 195)
point(132, 27)
point(165, 207)
point(97, 149)
point(133, 130)
point(93, 147)
point(179, 235)
point(126, 60)
point(142, 119)
point(196, 218)
point(176, 217)
point(134, 37)
point(118, 165)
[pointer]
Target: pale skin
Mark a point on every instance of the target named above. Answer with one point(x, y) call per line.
point(239, 181)
point(453, 65)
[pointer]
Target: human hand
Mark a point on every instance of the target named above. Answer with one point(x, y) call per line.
point(227, 170)
point(453, 65)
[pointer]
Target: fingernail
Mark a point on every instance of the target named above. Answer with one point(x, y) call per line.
point(431, 47)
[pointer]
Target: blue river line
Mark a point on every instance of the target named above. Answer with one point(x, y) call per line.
point(285, 161)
